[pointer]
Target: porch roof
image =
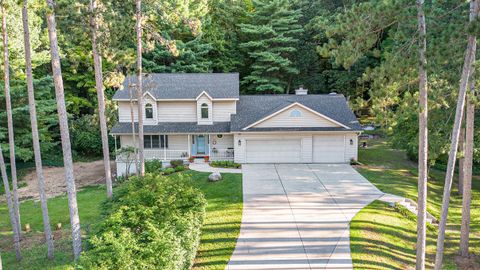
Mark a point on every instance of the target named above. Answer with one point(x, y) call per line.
point(172, 128)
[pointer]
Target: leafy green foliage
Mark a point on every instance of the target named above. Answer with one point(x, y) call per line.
point(179, 169)
point(152, 223)
point(225, 164)
point(176, 162)
point(168, 171)
point(153, 166)
point(86, 138)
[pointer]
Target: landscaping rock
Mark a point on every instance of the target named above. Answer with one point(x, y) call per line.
point(214, 177)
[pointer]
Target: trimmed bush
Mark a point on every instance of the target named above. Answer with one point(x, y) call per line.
point(179, 168)
point(153, 166)
point(168, 171)
point(225, 164)
point(176, 162)
point(151, 223)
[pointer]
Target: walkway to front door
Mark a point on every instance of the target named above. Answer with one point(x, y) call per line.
point(296, 216)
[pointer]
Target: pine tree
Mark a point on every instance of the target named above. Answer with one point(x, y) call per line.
point(271, 37)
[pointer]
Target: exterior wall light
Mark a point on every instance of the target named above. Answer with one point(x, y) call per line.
point(239, 142)
point(351, 142)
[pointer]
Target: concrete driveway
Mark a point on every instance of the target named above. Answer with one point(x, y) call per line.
point(296, 216)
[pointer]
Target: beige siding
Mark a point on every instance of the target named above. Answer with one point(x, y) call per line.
point(351, 151)
point(222, 110)
point(177, 111)
point(124, 111)
point(221, 143)
point(204, 99)
point(307, 119)
point(175, 142)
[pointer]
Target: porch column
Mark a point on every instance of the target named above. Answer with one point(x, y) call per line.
point(189, 146)
point(208, 142)
point(164, 148)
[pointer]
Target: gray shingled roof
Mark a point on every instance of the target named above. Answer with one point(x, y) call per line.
point(251, 109)
point(176, 127)
point(184, 85)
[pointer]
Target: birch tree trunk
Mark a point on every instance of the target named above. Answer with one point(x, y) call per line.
point(35, 137)
point(64, 132)
point(11, 210)
point(467, 183)
point(138, 28)
point(11, 138)
point(467, 69)
point(423, 139)
point(97, 62)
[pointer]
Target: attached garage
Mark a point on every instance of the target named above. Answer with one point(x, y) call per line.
point(328, 148)
point(273, 151)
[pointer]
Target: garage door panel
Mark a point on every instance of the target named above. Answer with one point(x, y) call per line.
point(329, 149)
point(273, 151)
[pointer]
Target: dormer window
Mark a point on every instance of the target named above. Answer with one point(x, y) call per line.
point(295, 113)
point(149, 111)
point(204, 111)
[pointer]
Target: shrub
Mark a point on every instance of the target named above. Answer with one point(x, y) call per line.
point(179, 168)
point(86, 138)
point(168, 171)
point(153, 166)
point(176, 162)
point(225, 164)
point(152, 222)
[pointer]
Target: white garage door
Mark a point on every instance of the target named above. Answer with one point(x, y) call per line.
point(329, 149)
point(273, 151)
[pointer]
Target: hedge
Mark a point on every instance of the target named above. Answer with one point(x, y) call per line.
point(151, 223)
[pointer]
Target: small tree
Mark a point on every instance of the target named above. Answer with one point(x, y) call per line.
point(128, 155)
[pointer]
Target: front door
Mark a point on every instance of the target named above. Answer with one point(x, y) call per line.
point(200, 145)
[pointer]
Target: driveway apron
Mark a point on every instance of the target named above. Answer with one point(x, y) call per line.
point(296, 216)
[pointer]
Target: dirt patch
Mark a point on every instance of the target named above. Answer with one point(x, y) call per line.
point(34, 239)
point(469, 263)
point(86, 174)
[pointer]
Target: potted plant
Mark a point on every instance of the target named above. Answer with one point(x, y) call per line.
point(191, 159)
point(206, 158)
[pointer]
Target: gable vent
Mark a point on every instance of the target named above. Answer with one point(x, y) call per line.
point(301, 91)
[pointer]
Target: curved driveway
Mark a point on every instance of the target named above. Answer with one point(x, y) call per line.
point(296, 216)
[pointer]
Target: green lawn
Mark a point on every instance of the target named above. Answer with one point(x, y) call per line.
point(222, 223)
point(221, 228)
point(393, 173)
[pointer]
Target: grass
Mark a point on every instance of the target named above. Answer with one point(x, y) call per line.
point(222, 223)
point(392, 172)
point(219, 233)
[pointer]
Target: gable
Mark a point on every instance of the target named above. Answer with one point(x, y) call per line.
point(296, 116)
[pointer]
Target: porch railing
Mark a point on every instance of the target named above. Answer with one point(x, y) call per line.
point(160, 154)
point(221, 154)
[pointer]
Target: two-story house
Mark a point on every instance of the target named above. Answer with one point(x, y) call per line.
point(198, 115)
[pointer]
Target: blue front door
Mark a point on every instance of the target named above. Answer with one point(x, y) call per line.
point(200, 145)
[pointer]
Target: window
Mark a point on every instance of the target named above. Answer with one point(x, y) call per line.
point(148, 111)
point(204, 111)
point(155, 141)
point(295, 113)
point(118, 142)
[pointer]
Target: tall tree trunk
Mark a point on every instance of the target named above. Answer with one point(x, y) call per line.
point(467, 183)
point(467, 69)
point(461, 159)
point(11, 210)
point(11, 138)
point(35, 137)
point(138, 28)
point(134, 140)
point(1, 267)
point(64, 132)
point(423, 140)
point(97, 62)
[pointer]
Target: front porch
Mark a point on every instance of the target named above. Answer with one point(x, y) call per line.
point(168, 147)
